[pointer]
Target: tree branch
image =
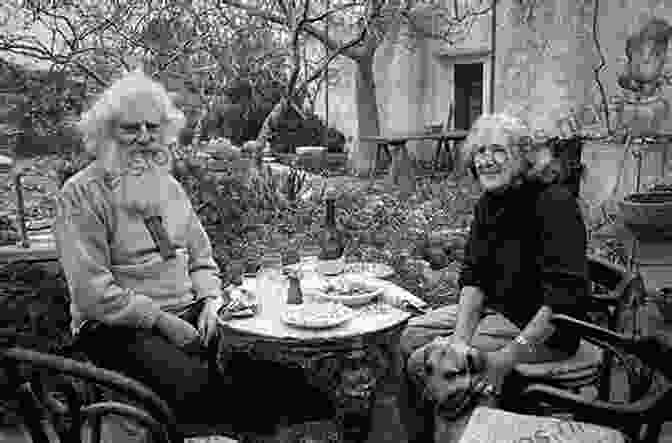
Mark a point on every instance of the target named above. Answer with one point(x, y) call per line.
point(325, 63)
point(598, 69)
point(325, 15)
point(254, 11)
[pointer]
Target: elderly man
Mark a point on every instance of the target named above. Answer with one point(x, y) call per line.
point(524, 260)
point(144, 284)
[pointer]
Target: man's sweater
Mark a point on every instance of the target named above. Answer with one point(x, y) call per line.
point(113, 268)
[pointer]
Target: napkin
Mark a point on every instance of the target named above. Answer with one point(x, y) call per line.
point(243, 304)
point(405, 300)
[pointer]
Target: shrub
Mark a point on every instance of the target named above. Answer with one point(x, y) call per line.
point(62, 139)
point(294, 131)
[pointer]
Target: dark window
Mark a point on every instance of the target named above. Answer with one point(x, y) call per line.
point(468, 94)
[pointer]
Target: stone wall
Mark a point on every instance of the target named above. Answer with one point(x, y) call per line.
point(546, 55)
point(544, 64)
point(545, 67)
point(544, 58)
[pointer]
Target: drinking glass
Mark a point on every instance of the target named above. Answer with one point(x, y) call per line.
point(310, 253)
point(270, 278)
point(290, 252)
point(236, 270)
point(249, 281)
point(271, 262)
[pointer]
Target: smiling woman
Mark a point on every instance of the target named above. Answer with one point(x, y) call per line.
point(501, 151)
point(493, 150)
point(524, 260)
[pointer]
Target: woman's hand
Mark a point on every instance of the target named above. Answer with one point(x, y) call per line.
point(207, 320)
point(179, 332)
point(498, 364)
point(456, 345)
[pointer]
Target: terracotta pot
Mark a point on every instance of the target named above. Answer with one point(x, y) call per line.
point(648, 215)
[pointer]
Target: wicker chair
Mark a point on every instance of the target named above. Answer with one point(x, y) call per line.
point(613, 287)
point(648, 362)
point(80, 405)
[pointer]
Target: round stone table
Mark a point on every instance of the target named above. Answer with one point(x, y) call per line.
point(349, 363)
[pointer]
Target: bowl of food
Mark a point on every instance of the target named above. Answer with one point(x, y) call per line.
point(351, 291)
point(310, 150)
point(331, 267)
point(370, 269)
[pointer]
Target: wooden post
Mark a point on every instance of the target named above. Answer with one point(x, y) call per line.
point(21, 210)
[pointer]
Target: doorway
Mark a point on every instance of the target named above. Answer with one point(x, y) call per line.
point(468, 94)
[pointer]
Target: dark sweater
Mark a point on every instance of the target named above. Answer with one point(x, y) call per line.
point(527, 248)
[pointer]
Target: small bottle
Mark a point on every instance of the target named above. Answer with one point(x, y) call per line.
point(331, 243)
point(294, 294)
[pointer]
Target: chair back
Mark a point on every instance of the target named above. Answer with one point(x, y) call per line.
point(152, 411)
point(647, 406)
point(613, 289)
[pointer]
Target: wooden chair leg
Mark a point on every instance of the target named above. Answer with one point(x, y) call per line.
point(381, 149)
point(437, 154)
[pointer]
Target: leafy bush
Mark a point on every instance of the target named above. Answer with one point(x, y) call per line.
point(294, 131)
point(60, 139)
point(249, 102)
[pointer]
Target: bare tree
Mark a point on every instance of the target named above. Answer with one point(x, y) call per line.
point(361, 27)
point(186, 44)
point(98, 39)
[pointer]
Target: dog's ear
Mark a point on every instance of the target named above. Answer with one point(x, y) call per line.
point(475, 360)
point(474, 171)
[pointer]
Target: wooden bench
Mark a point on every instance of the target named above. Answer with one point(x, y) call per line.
point(36, 246)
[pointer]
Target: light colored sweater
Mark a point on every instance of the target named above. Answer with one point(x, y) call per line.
point(114, 270)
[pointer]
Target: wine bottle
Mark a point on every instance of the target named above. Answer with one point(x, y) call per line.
point(331, 244)
point(294, 294)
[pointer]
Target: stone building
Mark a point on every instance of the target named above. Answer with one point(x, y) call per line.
point(540, 64)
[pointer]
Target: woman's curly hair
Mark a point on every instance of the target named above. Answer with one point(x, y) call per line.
point(539, 159)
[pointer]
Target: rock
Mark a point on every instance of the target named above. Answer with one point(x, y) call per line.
point(224, 150)
point(437, 257)
point(6, 163)
point(252, 147)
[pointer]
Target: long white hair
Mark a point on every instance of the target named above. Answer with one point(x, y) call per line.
point(96, 123)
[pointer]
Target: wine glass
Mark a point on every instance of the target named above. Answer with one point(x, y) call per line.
point(271, 261)
point(310, 253)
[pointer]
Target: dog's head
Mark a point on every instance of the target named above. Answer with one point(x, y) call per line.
point(450, 375)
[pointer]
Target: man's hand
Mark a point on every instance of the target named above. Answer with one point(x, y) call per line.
point(179, 332)
point(207, 321)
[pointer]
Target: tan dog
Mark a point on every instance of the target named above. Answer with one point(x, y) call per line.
point(450, 375)
point(453, 381)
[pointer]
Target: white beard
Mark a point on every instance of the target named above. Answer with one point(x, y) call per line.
point(141, 185)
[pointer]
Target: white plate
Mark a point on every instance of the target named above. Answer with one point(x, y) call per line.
point(370, 269)
point(317, 315)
